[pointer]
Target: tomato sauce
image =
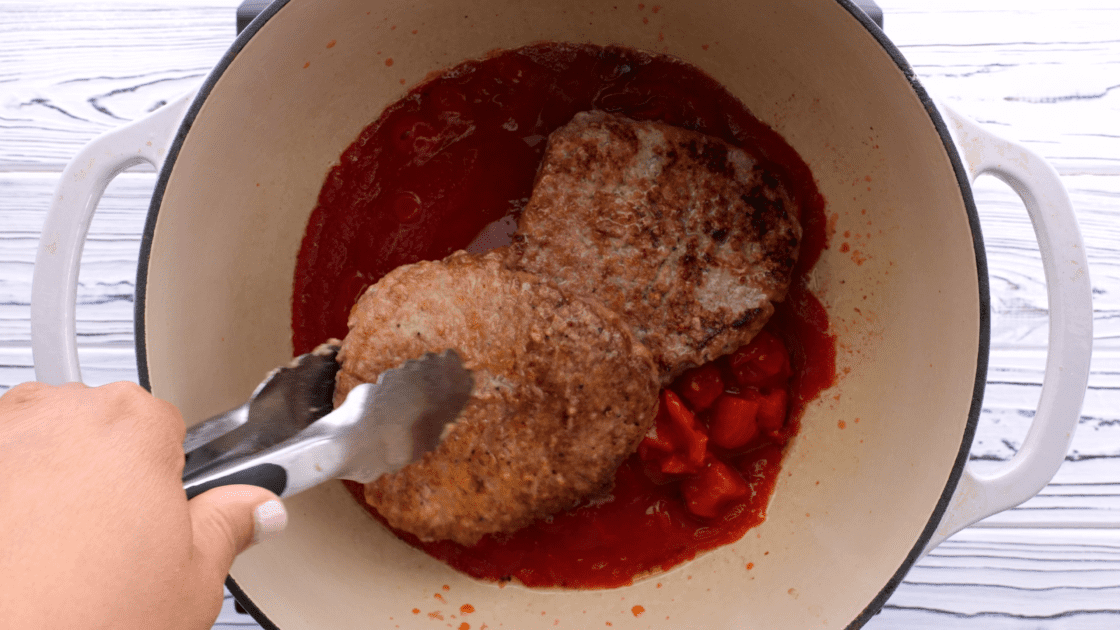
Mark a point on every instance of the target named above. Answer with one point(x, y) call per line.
point(460, 152)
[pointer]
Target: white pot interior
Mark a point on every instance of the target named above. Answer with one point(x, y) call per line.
point(903, 299)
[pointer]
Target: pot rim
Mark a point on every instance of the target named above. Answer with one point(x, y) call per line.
point(959, 170)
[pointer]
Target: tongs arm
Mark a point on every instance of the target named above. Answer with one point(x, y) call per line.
point(311, 457)
point(215, 427)
point(287, 401)
point(379, 428)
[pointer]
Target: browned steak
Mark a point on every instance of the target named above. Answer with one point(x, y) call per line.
point(688, 238)
point(563, 393)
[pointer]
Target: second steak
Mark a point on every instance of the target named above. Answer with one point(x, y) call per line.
point(691, 240)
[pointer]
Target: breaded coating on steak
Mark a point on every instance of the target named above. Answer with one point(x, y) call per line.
point(688, 238)
point(563, 393)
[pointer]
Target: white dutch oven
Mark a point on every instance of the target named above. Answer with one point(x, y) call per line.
point(242, 162)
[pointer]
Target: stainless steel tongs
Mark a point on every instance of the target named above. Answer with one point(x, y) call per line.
point(287, 438)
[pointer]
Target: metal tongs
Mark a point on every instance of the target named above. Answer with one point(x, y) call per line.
point(287, 438)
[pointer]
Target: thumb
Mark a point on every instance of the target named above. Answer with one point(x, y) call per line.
point(225, 521)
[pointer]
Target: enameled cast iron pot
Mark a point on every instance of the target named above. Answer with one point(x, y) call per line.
point(242, 163)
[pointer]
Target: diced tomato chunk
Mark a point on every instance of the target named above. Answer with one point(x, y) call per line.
point(677, 441)
point(735, 414)
point(700, 386)
point(714, 489)
point(772, 410)
point(764, 362)
point(677, 464)
point(692, 434)
point(733, 423)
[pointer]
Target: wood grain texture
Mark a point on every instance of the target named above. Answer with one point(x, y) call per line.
point(108, 274)
point(1023, 578)
point(70, 71)
point(1044, 73)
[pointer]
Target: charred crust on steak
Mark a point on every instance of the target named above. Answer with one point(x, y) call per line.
point(747, 318)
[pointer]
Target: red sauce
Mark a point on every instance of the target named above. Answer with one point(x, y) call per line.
point(459, 152)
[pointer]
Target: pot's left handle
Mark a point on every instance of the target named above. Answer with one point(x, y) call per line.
point(1071, 328)
point(54, 284)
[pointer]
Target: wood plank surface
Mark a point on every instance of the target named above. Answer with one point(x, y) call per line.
point(108, 274)
point(1041, 72)
point(1044, 73)
point(72, 70)
point(1036, 578)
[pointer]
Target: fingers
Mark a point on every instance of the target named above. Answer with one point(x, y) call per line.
point(226, 521)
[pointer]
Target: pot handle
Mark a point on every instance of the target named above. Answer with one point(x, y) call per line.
point(1071, 328)
point(54, 283)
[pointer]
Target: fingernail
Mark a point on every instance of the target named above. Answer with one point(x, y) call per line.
point(269, 519)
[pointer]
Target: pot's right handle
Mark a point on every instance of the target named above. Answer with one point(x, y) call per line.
point(1071, 328)
point(54, 282)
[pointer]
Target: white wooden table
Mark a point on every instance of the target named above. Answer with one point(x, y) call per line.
point(1046, 73)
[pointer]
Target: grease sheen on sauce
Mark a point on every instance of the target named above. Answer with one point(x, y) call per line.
point(459, 152)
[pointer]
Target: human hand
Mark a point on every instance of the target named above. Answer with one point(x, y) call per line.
point(95, 529)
